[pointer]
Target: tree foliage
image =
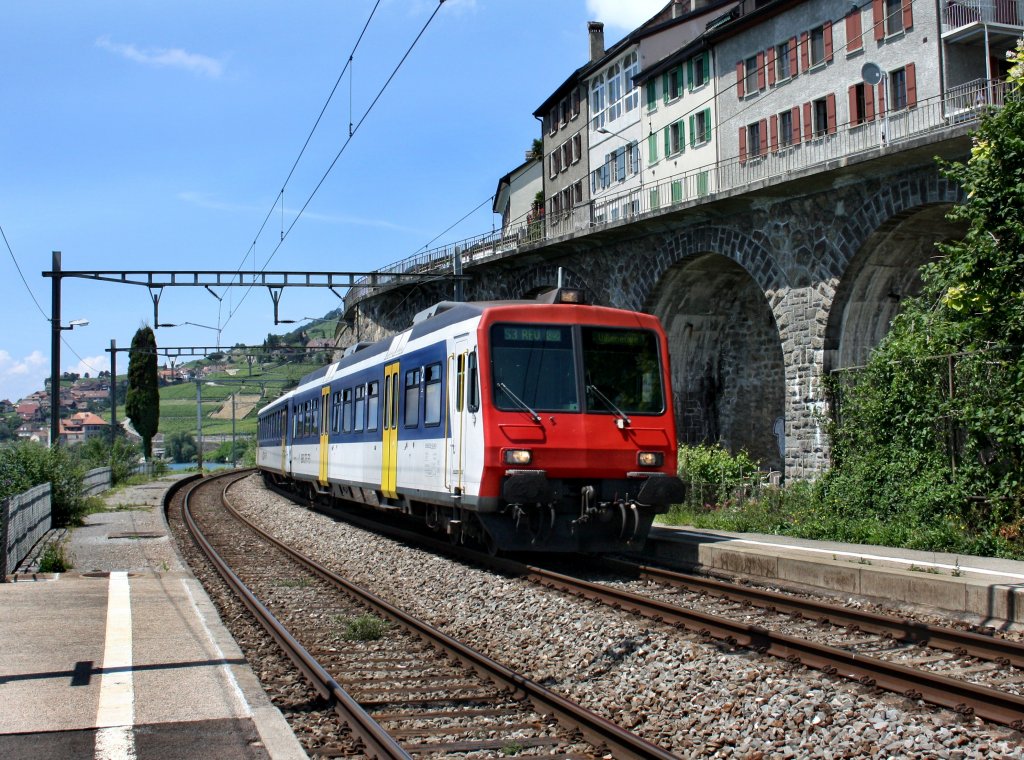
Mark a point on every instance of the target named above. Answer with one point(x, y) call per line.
point(142, 404)
point(931, 432)
point(180, 447)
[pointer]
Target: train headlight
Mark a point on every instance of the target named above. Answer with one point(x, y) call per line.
point(518, 456)
point(650, 459)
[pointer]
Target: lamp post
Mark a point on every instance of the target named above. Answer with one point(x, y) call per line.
point(56, 328)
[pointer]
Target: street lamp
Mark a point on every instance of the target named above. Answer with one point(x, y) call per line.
point(193, 324)
point(55, 364)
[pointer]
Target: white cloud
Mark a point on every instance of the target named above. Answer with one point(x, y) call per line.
point(20, 377)
point(165, 57)
point(92, 365)
point(626, 15)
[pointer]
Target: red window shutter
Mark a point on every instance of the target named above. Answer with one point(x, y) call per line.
point(763, 131)
point(805, 52)
point(881, 99)
point(830, 105)
point(739, 79)
point(911, 86)
point(808, 124)
point(794, 117)
point(869, 102)
point(854, 32)
point(827, 30)
point(792, 57)
point(878, 18)
point(760, 70)
point(852, 94)
point(908, 14)
point(771, 66)
point(773, 133)
point(743, 145)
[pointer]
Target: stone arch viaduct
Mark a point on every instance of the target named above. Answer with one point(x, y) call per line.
point(762, 292)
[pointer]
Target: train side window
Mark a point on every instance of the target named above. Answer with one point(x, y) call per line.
point(412, 397)
point(372, 405)
point(473, 385)
point(346, 411)
point(336, 412)
point(360, 408)
point(393, 401)
point(460, 381)
point(307, 418)
point(432, 395)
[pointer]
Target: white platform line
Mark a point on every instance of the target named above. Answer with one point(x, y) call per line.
point(241, 703)
point(717, 538)
point(116, 712)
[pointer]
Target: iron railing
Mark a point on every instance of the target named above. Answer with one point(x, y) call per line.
point(958, 106)
point(960, 13)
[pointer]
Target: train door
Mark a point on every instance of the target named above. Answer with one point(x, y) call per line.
point(389, 462)
point(325, 400)
point(458, 385)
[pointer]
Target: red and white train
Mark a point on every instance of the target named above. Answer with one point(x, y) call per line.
point(522, 425)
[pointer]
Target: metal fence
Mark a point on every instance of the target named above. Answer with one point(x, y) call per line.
point(957, 14)
point(959, 106)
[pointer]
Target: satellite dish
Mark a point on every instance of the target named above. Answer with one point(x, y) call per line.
point(871, 73)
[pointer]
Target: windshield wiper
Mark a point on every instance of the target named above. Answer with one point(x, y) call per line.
point(625, 418)
point(522, 404)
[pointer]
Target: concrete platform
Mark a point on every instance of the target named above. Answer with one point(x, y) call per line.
point(980, 589)
point(125, 656)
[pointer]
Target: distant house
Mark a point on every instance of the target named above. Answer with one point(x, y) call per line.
point(30, 411)
point(30, 431)
point(322, 343)
point(81, 427)
point(6, 407)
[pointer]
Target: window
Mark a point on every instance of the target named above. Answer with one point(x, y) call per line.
point(533, 366)
point(360, 409)
point(699, 70)
point(651, 90)
point(893, 16)
point(754, 139)
point(630, 68)
point(566, 155)
point(577, 147)
point(817, 45)
point(553, 120)
point(672, 84)
point(700, 127)
point(619, 157)
point(633, 158)
point(554, 163)
point(563, 111)
point(336, 412)
point(898, 89)
point(577, 192)
point(432, 395)
point(566, 199)
point(750, 74)
point(614, 85)
point(862, 104)
point(623, 371)
point(785, 128)
point(372, 405)
point(575, 103)
point(472, 384)
point(674, 139)
point(782, 61)
point(820, 112)
point(346, 411)
point(412, 398)
point(597, 102)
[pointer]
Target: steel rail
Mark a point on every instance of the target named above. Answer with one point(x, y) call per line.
point(963, 697)
point(963, 643)
point(376, 741)
point(594, 728)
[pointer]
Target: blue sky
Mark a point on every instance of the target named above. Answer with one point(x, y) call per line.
point(151, 135)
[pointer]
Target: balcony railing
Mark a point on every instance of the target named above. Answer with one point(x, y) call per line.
point(960, 13)
point(960, 105)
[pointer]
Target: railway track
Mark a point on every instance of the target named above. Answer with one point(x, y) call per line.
point(412, 692)
point(971, 673)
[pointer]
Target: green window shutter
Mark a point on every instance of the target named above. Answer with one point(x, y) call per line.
point(652, 95)
point(689, 73)
point(707, 125)
point(702, 183)
point(693, 132)
point(652, 149)
point(682, 134)
point(668, 142)
point(677, 191)
point(654, 199)
point(665, 85)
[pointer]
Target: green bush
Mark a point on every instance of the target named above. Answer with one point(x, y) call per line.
point(25, 465)
point(365, 628)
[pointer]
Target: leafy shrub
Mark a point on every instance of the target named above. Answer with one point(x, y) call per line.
point(54, 559)
point(365, 628)
point(25, 465)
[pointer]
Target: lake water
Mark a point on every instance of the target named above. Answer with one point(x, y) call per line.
point(180, 466)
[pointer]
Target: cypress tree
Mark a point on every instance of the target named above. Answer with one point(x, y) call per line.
point(142, 404)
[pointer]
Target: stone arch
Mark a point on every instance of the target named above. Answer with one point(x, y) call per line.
point(728, 367)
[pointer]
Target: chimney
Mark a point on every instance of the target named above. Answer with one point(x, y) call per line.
point(596, 29)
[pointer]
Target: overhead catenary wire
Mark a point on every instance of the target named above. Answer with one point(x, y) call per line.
point(337, 156)
point(21, 274)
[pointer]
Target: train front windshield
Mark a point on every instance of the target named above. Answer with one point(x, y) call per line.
point(551, 368)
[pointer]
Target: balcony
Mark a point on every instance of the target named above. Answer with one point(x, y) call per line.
point(966, 20)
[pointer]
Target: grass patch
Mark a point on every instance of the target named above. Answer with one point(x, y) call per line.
point(365, 628)
point(54, 559)
point(512, 748)
point(294, 582)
